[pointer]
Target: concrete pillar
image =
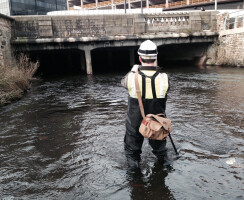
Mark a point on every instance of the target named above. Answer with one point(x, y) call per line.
point(67, 5)
point(88, 61)
point(147, 3)
point(129, 6)
point(132, 57)
point(167, 3)
point(112, 4)
point(96, 4)
point(188, 2)
point(81, 4)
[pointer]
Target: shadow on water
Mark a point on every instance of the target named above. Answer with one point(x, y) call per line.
point(64, 140)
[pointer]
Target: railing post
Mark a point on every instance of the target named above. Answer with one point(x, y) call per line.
point(147, 3)
point(125, 6)
point(129, 6)
point(167, 3)
point(81, 4)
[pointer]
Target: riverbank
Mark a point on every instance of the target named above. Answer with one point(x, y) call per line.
point(15, 79)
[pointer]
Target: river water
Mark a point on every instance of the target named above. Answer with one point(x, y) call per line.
point(64, 140)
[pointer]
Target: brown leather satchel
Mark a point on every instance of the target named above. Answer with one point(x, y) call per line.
point(156, 127)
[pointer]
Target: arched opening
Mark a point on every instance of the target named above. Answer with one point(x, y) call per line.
point(114, 59)
point(58, 62)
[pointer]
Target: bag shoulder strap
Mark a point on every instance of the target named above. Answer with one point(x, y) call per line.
point(138, 92)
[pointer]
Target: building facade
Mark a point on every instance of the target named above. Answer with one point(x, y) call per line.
point(4, 7)
point(31, 7)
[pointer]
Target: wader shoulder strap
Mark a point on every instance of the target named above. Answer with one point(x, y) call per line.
point(138, 92)
point(152, 83)
point(143, 84)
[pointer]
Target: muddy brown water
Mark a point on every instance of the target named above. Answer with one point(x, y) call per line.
point(64, 140)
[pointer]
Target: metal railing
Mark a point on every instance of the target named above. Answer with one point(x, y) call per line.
point(170, 5)
point(106, 12)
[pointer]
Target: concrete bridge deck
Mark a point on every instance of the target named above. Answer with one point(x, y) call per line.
point(86, 32)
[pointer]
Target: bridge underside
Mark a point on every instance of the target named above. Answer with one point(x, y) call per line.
point(112, 56)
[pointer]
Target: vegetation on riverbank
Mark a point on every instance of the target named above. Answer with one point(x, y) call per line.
point(16, 79)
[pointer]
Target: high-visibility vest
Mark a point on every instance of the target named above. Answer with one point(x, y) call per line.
point(152, 84)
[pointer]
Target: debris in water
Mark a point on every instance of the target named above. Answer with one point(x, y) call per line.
point(233, 163)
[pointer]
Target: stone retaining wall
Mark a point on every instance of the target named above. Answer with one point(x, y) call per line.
point(231, 43)
point(5, 36)
point(229, 49)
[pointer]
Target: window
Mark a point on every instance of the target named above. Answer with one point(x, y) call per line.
point(36, 7)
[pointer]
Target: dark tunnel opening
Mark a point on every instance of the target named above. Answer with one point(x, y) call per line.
point(57, 62)
point(114, 59)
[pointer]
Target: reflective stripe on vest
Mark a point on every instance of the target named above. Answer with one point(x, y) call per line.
point(161, 84)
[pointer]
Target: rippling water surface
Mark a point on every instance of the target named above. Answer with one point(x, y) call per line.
point(64, 140)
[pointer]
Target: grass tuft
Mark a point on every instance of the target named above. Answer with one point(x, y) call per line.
point(16, 79)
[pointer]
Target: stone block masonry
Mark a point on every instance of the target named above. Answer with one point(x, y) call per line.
point(230, 48)
point(5, 38)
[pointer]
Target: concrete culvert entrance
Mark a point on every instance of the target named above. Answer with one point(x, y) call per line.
point(113, 59)
point(58, 62)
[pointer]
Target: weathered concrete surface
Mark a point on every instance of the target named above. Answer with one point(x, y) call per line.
point(5, 36)
point(82, 29)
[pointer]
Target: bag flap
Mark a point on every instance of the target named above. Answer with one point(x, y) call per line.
point(154, 125)
point(165, 122)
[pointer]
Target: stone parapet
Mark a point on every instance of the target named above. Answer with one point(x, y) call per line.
point(102, 26)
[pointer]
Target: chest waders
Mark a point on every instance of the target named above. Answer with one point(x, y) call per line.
point(133, 140)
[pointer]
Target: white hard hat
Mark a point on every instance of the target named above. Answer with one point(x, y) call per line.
point(148, 50)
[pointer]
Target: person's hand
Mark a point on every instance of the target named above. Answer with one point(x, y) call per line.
point(134, 68)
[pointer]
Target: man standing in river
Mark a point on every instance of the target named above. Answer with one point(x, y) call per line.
point(154, 87)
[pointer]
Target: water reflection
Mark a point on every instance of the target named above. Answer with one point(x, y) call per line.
point(149, 184)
